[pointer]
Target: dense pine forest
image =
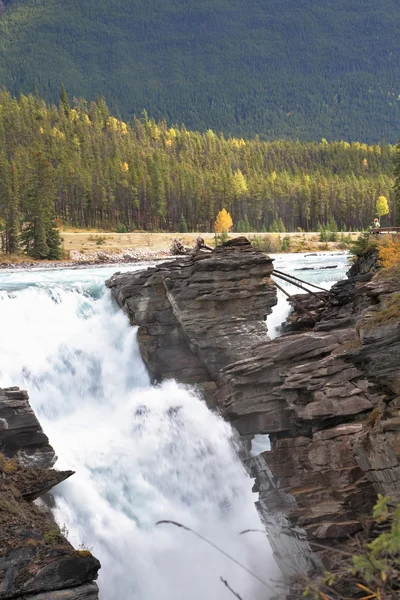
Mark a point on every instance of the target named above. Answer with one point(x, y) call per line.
point(82, 167)
point(293, 69)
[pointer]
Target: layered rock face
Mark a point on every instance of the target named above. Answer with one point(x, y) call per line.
point(327, 391)
point(199, 313)
point(21, 435)
point(36, 561)
point(328, 397)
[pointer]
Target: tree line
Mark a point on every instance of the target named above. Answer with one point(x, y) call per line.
point(77, 165)
point(295, 69)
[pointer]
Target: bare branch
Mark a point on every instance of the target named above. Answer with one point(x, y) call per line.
point(239, 564)
point(226, 584)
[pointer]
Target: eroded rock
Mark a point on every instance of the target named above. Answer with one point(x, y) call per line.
point(199, 313)
point(327, 392)
point(36, 561)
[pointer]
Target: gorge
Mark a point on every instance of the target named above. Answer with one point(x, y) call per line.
point(146, 452)
point(325, 392)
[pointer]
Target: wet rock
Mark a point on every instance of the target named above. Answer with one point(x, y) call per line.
point(198, 313)
point(88, 591)
point(21, 435)
point(327, 391)
point(35, 558)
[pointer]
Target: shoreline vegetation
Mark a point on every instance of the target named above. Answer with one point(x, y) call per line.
point(76, 167)
point(84, 248)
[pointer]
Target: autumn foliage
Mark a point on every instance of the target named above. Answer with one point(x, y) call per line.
point(389, 254)
point(223, 222)
point(382, 207)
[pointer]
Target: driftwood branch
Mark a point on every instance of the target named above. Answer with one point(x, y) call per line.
point(296, 302)
point(301, 280)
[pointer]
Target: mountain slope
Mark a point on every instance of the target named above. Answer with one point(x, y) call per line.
point(297, 68)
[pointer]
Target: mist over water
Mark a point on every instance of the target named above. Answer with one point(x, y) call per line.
point(141, 453)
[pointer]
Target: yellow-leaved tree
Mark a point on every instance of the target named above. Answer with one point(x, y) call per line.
point(223, 222)
point(382, 207)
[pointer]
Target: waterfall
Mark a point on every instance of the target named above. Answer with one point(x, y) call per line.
point(141, 453)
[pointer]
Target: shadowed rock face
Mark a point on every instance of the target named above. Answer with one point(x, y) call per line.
point(326, 393)
point(328, 397)
point(36, 561)
point(199, 313)
point(20, 432)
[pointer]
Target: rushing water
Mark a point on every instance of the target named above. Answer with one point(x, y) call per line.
point(317, 273)
point(141, 453)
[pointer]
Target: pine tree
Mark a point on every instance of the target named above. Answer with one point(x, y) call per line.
point(53, 239)
point(40, 235)
point(12, 226)
point(274, 227)
point(183, 228)
point(332, 229)
point(64, 101)
point(281, 226)
point(246, 225)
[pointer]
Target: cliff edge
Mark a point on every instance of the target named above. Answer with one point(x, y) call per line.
point(326, 391)
point(36, 561)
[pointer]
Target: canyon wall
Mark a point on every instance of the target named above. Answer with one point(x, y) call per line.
point(326, 392)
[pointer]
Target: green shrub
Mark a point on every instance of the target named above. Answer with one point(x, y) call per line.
point(373, 572)
point(183, 228)
point(286, 244)
point(362, 243)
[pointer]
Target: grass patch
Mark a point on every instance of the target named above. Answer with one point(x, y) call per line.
point(53, 536)
point(8, 465)
point(388, 314)
point(6, 506)
point(83, 553)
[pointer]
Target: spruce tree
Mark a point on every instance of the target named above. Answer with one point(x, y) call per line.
point(64, 101)
point(183, 228)
point(274, 227)
point(40, 235)
point(281, 226)
point(12, 226)
point(53, 239)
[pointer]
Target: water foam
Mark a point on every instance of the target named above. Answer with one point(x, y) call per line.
point(141, 453)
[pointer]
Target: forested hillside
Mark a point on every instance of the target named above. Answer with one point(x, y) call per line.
point(298, 69)
point(90, 169)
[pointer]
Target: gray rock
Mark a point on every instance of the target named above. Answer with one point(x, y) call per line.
point(35, 558)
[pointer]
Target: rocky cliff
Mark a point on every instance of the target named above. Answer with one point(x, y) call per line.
point(36, 561)
point(199, 313)
point(327, 391)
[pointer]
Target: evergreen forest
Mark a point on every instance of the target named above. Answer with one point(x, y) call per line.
point(293, 69)
point(78, 165)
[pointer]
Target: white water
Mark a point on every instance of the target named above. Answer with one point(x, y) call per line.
point(140, 453)
point(292, 265)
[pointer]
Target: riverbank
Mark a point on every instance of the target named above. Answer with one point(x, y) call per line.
point(97, 248)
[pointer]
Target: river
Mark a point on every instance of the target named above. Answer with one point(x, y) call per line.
point(141, 453)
